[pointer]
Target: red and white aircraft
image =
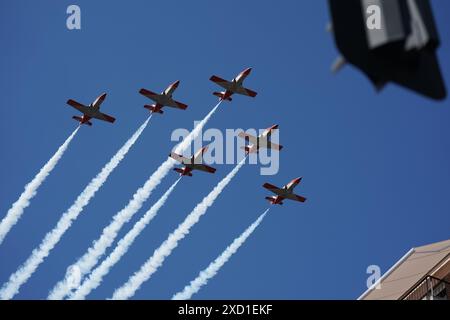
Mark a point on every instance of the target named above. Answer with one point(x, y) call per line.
point(261, 141)
point(90, 111)
point(284, 193)
point(233, 86)
point(193, 163)
point(163, 99)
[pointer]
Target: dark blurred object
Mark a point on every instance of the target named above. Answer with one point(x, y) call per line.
point(402, 51)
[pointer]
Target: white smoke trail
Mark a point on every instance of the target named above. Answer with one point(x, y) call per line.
point(95, 278)
point(38, 255)
point(205, 275)
point(16, 211)
point(92, 256)
point(157, 259)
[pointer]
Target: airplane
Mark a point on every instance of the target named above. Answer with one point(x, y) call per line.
point(284, 193)
point(90, 111)
point(233, 86)
point(193, 163)
point(262, 141)
point(163, 100)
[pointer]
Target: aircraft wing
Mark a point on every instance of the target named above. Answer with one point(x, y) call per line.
point(104, 117)
point(179, 158)
point(246, 92)
point(269, 145)
point(221, 82)
point(80, 107)
point(271, 187)
point(149, 94)
point(295, 197)
point(266, 143)
point(176, 104)
point(205, 168)
point(249, 137)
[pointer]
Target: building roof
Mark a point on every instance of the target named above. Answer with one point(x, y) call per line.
point(411, 269)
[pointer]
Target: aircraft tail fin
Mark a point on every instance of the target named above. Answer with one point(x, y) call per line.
point(221, 95)
point(248, 149)
point(272, 200)
point(80, 120)
point(153, 108)
point(181, 172)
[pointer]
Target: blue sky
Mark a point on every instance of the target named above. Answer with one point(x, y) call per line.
point(375, 166)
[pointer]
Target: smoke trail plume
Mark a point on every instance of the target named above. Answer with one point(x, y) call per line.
point(109, 233)
point(166, 248)
point(95, 278)
point(215, 266)
point(16, 211)
point(38, 255)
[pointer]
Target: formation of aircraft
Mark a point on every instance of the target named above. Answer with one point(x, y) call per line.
point(195, 162)
point(163, 100)
point(261, 141)
point(90, 111)
point(286, 192)
point(233, 86)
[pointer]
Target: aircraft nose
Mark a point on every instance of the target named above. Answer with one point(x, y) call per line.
point(247, 71)
point(275, 126)
point(176, 83)
point(297, 180)
point(205, 148)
